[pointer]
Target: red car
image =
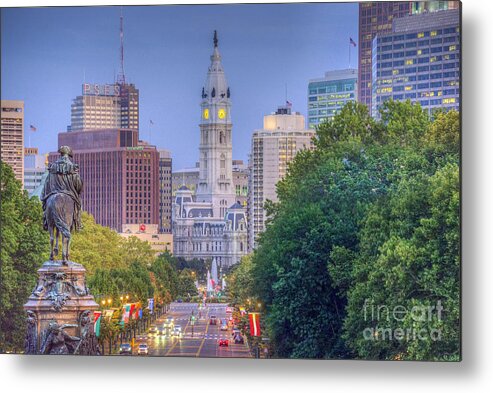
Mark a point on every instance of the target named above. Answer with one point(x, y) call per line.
point(224, 342)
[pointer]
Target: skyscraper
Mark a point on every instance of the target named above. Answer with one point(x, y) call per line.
point(105, 106)
point(120, 173)
point(12, 133)
point(374, 17)
point(121, 182)
point(211, 224)
point(327, 95)
point(419, 60)
point(273, 147)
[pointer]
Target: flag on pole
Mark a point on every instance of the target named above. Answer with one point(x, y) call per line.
point(351, 41)
point(150, 121)
point(97, 322)
point(288, 103)
point(254, 318)
point(32, 128)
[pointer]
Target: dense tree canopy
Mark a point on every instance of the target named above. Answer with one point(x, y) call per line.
point(24, 247)
point(370, 217)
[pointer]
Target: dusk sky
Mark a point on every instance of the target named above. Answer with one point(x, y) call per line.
point(47, 52)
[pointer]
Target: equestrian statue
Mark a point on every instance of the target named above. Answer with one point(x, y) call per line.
point(61, 202)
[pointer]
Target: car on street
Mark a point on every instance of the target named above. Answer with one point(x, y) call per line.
point(153, 330)
point(177, 332)
point(125, 349)
point(235, 332)
point(143, 349)
point(213, 320)
point(169, 322)
point(223, 342)
point(224, 325)
point(229, 310)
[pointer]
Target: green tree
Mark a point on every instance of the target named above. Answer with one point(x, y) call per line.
point(186, 285)
point(24, 247)
point(352, 202)
point(413, 264)
point(240, 281)
point(96, 246)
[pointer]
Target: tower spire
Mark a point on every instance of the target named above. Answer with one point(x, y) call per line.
point(121, 74)
point(215, 39)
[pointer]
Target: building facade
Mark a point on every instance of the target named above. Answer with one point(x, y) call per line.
point(165, 191)
point(121, 184)
point(105, 106)
point(240, 182)
point(419, 60)
point(12, 136)
point(211, 223)
point(374, 18)
point(34, 169)
point(327, 95)
point(159, 242)
point(273, 147)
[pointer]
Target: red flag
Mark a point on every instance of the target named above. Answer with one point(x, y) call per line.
point(254, 318)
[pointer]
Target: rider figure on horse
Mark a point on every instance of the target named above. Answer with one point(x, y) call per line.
point(61, 201)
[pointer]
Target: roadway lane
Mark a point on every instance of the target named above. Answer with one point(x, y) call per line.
point(199, 340)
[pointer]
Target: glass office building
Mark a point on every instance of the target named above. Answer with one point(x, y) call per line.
point(326, 96)
point(419, 61)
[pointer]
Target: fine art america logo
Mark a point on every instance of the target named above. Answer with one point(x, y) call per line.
point(418, 320)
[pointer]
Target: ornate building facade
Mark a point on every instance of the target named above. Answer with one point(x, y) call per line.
point(211, 223)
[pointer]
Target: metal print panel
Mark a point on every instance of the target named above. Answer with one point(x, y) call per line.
point(259, 181)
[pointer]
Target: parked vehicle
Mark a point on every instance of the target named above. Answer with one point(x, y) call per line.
point(213, 320)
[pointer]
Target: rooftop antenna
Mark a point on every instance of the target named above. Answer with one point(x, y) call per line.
point(121, 74)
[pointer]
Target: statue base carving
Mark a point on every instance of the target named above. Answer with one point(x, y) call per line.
point(60, 311)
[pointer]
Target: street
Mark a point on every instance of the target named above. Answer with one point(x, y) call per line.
point(198, 340)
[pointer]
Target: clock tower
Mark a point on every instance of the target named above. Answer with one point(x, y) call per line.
point(216, 174)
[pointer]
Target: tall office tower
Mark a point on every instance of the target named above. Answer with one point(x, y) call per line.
point(327, 95)
point(12, 133)
point(165, 190)
point(211, 224)
point(420, 61)
point(34, 169)
point(374, 17)
point(121, 177)
point(273, 147)
point(105, 106)
point(216, 149)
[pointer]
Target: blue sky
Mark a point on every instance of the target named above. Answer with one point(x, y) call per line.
point(46, 52)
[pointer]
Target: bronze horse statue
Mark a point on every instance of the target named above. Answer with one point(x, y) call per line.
point(61, 202)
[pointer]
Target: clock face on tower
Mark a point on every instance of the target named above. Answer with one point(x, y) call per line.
point(205, 114)
point(221, 113)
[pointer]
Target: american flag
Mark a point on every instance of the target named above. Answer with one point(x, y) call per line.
point(32, 128)
point(351, 41)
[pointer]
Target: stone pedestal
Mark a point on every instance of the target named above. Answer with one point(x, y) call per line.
point(59, 311)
